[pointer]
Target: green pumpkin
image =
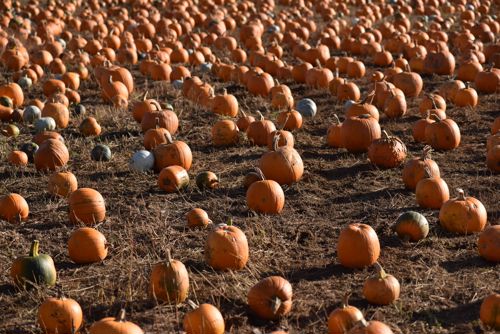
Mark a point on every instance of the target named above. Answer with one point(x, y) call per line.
point(6, 102)
point(34, 269)
point(412, 226)
point(207, 180)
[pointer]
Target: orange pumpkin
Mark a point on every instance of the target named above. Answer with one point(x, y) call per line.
point(118, 325)
point(90, 127)
point(489, 243)
point(18, 158)
point(225, 133)
point(271, 298)
point(383, 289)
point(359, 132)
point(414, 169)
point(431, 191)
point(358, 246)
point(87, 245)
point(197, 218)
point(225, 104)
point(258, 131)
point(283, 164)
point(334, 135)
point(173, 178)
point(13, 208)
point(489, 313)
point(463, 214)
point(60, 315)
point(205, 319)
point(265, 196)
point(86, 206)
point(387, 151)
point(51, 155)
point(169, 281)
point(62, 184)
point(343, 318)
point(443, 134)
point(172, 153)
point(226, 248)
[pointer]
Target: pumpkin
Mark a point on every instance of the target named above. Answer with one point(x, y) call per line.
point(431, 191)
point(258, 131)
point(18, 158)
point(90, 127)
point(431, 101)
point(271, 298)
point(30, 149)
point(244, 121)
point(166, 119)
point(204, 319)
point(172, 153)
point(334, 135)
point(289, 120)
point(45, 124)
point(34, 269)
point(411, 226)
point(225, 104)
point(142, 161)
point(197, 218)
point(355, 69)
point(358, 246)
point(466, 97)
point(488, 243)
point(450, 88)
point(353, 108)
point(207, 180)
point(265, 196)
point(169, 281)
point(409, 82)
point(387, 151)
point(226, 248)
point(14, 92)
point(443, 134)
point(101, 152)
point(13, 208)
point(487, 81)
point(283, 164)
point(62, 184)
point(370, 327)
point(225, 133)
point(51, 155)
point(173, 178)
point(418, 129)
point(414, 169)
point(463, 214)
point(306, 107)
point(395, 103)
point(359, 132)
point(489, 313)
point(31, 113)
point(348, 91)
point(86, 206)
point(441, 62)
point(383, 289)
point(155, 137)
point(40, 137)
point(260, 84)
point(87, 245)
point(118, 325)
point(60, 315)
point(344, 317)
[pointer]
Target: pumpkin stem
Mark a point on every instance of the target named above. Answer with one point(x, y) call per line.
point(461, 194)
point(425, 152)
point(276, 140)
point(436, 117)
point(156, 104)
point(381, 271)
point(336, 118)
point(169, 256)
point(286, 119)
point(260, 115)
point(145, 95)
point(385, 135)
point(192, 304)
point(168, 137)
point(345, 300)
point(121, 315)
point(229, 221)
point(260, 173)
point(427, 172)
point(318, 63)
point(275, 304)
point(34, 248)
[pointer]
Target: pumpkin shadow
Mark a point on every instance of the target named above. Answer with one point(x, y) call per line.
point(374, 195)
point(312, 274)
point(343, 172)
point(63, 265)
point(449, 317)
point(116, 135)
point(476, 262)
point(101, 176)
point(313, 154)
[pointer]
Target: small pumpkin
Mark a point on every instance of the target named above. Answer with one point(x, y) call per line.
point(271, 298)
point(33, 269)
point(411, 226)
point(370, 327)
point(306, 107)
point(431, 191)
point(142, 161)
point(265, 196)
point(60, 315)
point(51, 155)
point(207, 180)
point(387, 151)
point(205, 319)
point(118, 325)
point(358, 246)
point(488, 243)
point(226, 248)
point(62, 184)
point(414, 169)
point(225, 133)
point(466, 97)
point(86, 206)
point(225, 104)
point(334, 135)
point(197, 218)
point(18, 158)
point(343, 318)
point(258, 131)
point(244, 121)
point(489, 313)
point(283, 164)
point(101, 152)
point(382, 289)
point(173, 178)
point(169, 281)
point(359, 132)
point(13, 208)
point(87, 245)
point(90, 127)
point(463, 214)
point(289, 120)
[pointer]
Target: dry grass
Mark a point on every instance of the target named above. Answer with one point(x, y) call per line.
point(443, 279)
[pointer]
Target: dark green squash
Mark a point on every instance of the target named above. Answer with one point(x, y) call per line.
point(34, 269)
point(6, 102)
point(207, 180)
point(411, 226)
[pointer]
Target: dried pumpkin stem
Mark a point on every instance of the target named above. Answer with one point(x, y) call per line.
point(260, 173)
point(121, 315)
point(336, 118)
point(426, 151)
point(276, 140)
point(461, 194)
point(168, 137)
point(192, 304)
point(144, 98)
point(275, 304)
point(260, 115)
point(169, 256)
point(345, 300)
point(385, 135)
point(381, 271)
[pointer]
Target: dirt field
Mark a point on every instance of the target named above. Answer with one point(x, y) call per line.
point(443, 280)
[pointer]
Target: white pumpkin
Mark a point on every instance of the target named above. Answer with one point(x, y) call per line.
point(306, 107)
point(31, 114)
point(45, 124)
point(142, 161)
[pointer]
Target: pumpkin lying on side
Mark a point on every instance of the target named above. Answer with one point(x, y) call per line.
point(271, 298)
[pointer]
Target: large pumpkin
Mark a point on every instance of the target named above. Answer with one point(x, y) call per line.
point(169, 281)
point(86, 206)
point(463, 215)
point(265, 196)
point(204, 319)
point(172, 153)
point(387, 151)
point(62, 184)
point(359, 132)
point(358, 246)
point(51, 155)
point(34, 269)
point(226, 248)
point(271, 298)
point(344, 317)
point(60, 315)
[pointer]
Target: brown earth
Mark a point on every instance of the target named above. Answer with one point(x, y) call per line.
point(443, 279)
